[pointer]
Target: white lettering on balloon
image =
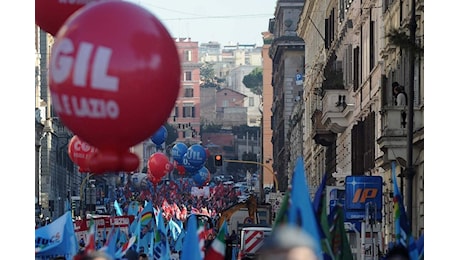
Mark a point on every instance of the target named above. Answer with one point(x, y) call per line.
point(62, 64)
point(192, 155)
point(86, 107)
point(62, 61)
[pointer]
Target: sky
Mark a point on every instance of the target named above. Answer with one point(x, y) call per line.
point(235, 21)
point(17, 113)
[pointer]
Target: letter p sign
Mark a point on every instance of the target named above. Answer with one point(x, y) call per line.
point(361, 195)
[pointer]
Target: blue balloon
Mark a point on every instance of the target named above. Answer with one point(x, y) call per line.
point(159, 137)
point(178, 151)
point(201, 176)
point(188, 167)
point(196, 155)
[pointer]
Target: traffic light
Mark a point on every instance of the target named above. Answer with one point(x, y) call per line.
point(218, 160)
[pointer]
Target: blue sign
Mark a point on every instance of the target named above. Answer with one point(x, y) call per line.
point(360, 191)
point(337, 197)
point(298, 76)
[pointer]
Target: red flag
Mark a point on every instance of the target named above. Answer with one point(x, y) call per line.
point(91, 244)
point(217, 249)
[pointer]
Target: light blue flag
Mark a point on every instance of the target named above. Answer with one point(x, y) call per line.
point(117, 208)
point(110, 246)
point(56, 238)
point(179, 241)
point(133, 226)
point(174, 229)
point(162, 245)
point(133, 208)
point(300, 211)
point(191, 247)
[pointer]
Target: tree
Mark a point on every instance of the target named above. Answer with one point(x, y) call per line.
point(172, 134)
point(208, 76)
point(253, 81)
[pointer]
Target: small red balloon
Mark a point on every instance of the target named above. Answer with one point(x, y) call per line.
point(159, 165)
point(114, 79)
point(50, 15)
point(79, 152)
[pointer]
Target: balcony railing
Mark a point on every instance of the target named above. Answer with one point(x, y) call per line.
point(337, 110)
point(393, 136)
point(320, 133)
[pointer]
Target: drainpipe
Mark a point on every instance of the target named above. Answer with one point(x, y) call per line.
point(410, 124)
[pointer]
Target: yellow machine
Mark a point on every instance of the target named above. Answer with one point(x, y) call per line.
point(250, 204)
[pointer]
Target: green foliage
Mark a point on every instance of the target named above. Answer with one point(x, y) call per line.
point(172, 134)
point(400, 39)
point(253, 81)
point(207, 72)
point(208, 76)
point(211, 128)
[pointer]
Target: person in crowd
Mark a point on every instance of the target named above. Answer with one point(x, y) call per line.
point(95, 255)
point(143, 256)
point(233, 237)
point(397, 252)
point(288, 243)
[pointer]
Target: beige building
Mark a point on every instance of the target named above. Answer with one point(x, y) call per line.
point(351, 123)
point(267, 101)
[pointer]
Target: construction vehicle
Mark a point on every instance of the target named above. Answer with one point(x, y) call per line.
point(246, 212)
point(251, 221)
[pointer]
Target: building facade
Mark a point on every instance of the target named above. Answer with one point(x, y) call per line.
point(352, 125)
point(287, 54)
point(266, 103)
point(56, 177)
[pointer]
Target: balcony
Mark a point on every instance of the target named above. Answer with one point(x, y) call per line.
point(393, 136)
point(336, 110)
point(320, 133)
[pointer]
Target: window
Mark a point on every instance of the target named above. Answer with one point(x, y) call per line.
point(188, 91)
point(251, 101)
point(187, 55)
point(371, 46)
point(225, 103)
point(188, 76)
point(356, 69)
point(188, 110)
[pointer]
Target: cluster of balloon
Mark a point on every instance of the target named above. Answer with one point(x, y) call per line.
point(158, 166)
point(202, 177)
point(160, 136)
point(97, 74)
point(194, 158)
point(50, 15)
point(79, 152)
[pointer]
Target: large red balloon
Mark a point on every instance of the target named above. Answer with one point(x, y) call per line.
point(158, 166)
point(79, 152)
point(114, 79)
point(50, 15)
